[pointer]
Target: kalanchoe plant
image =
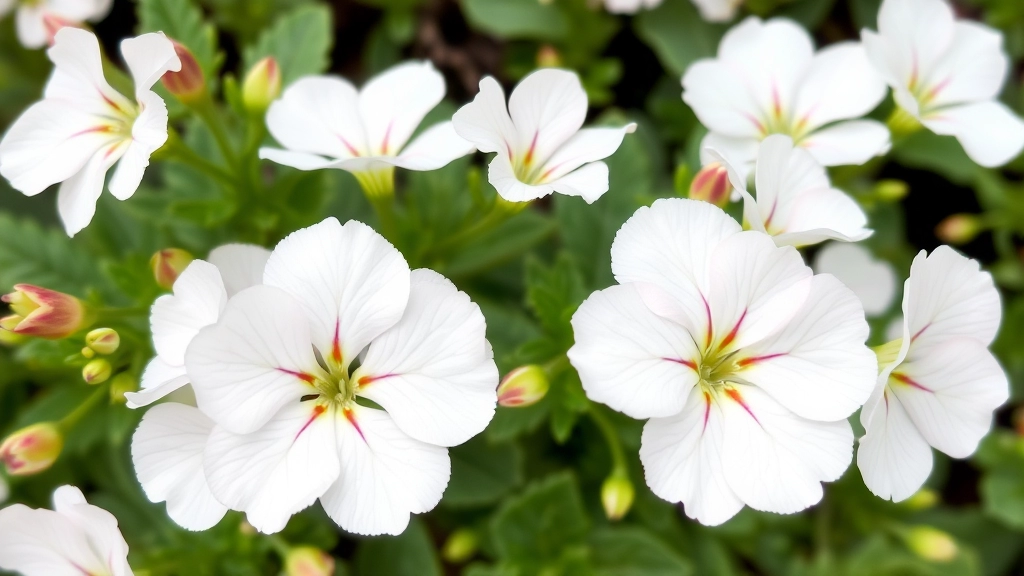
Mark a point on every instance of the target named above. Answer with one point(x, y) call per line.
point(643, 331)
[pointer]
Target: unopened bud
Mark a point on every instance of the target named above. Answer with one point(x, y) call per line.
point(189, 83)
point(262, 86)
point(7, 337)
point(123, 382)
point(523, 386)
point(460, 546)
point(711, 184)
point(97, 371)
point(168, 264)
point(43, 312)
point(103, 340)
point(959, 228)
point(52, 23)
point(617, 494)
point(88, 353)
point(931, 544)
point(923, 499)
point(891, 190)
point(31, 449)
point(308, 561)
point(548, 57)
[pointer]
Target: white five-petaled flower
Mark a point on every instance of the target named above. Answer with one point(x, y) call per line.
point(74, 538)
point(324, 122)
point(168, 446)
point(767, 79)
point(83, 126)
point(538, 137)
point(30, 16)
point(796, 203)
point(287, 370)
point(939, 384)
point(947, 74)
point(746, 364)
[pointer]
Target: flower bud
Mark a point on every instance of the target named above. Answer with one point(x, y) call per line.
point(123, 382)
point(891, 190)
point(31, 449)
point(548, 57)
point(7, 337)
point(262, 86)
point(308, 561)
point(189, 83)
point(923, 499)
point(711, 184)
point(931, 544)
point(103, 340)
point(52, 23)
point(168, 264)
point(523, 386)
point(959, 228)
point(460, 546)
point(96, 371)
point(617, 496)
point(43, 313)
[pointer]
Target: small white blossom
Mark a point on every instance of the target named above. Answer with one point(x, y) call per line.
point(30, 16)
point(538, 137)
point(630, 6)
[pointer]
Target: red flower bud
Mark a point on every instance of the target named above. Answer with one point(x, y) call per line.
point(168, 264)
point(308, 561)
point(31, 449)
point(44, 313)
point(523, 386)
point(712, 185)
point(189, 83)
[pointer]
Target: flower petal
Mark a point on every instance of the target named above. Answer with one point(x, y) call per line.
point(949, 296)
point(630, 358)
point(30, 27)
point(297, 160)
point(318, 115)
point(197, 301)
point(502, 176)
point(240, 265)
point(434, 371)
point(817, 366)
point(277, 470)
point(78, 74)
point(485, 121)
point(158, 380)
point(587, 145)
point(682, 459)
point(873, 281)
point(990, 133)
point(950, 391)
point(149, 132)
point(589, 182)
point(774, 460)
point(827, 214)
point(918, 32)
point(385, 476)
point(853, 142)
point(434, 148)
point(149, 57)
point(77, 197)
point(720, 97)
point(167, 450)
point(352, 283)
point(393, 103)
point(893, 457)
point(973, 68)
point(547, 108)
point(839, 84)
point(254, 360)
point(670, 245)
point(100, 526)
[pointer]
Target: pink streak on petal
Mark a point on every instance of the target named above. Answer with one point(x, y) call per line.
point(351, 417)
point(688, 363)
point(307, 378)
point(910, 382)
point(755, 359)
point(735, 395)
point(317, 412)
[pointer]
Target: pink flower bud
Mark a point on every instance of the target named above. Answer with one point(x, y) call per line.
point(31, 449)
point(308, 561)
point(959, 228)
point(168, 264)
point(103, 340)
point(262, 86)
point(617, 494)
point(97, 371)
point(712, 185)
point(189, 83)
point(523, 386)
point(43, 313)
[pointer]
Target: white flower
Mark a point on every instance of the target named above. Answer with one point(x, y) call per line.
point(767, 79)
point(947, 74)
point(83, 126)
point(340, 317)
point(717, 10)
point(630, 6)
point(30, 16)
point(872, 280)
point(939, 384)
point(746, 364)
point(74, 538)
point(796, 204)
point(167, 448)
point(324, 122)
point(541, 148)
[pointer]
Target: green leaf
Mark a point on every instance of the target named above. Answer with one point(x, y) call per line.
point(182, 21)
point(677, 34)
point(511, 423)
point(940, 154)
point(409, 554)
point(535, 527)
point(300, 41)
point(630, 551)
point(527, 19)
point(515, 236)
point(1001, 454)
point(568, 403)
point(554, 293)
point(483, 472)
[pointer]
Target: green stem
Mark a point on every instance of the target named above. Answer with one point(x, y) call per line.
point(68, 422)
point(611, 437)
point(209, 115)
point(384, 206)
point(177, 150)
point(500, 211)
